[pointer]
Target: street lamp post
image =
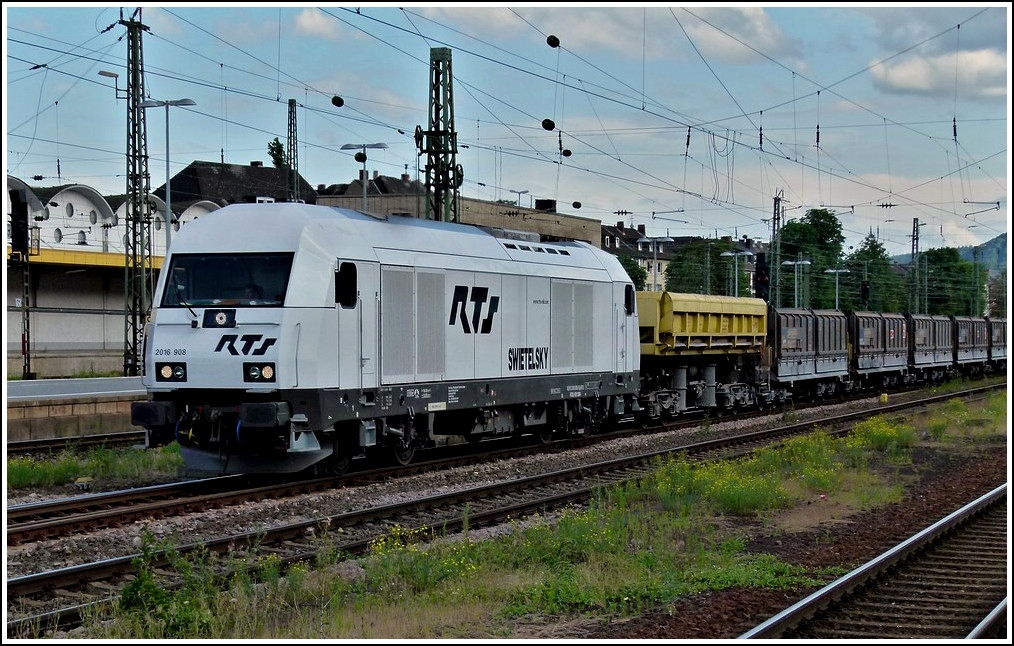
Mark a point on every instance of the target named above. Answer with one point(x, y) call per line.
point(116, 82)
point(836, 272)
point(361, 157)
point(520, 193)
point(735, 264)
point(796, 264)
point(654, 256)
point(152, 103)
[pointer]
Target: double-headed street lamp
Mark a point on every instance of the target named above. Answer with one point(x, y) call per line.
point(654, 256)
point(836, 272)
point(735, 264)
point(520, 193)
point(152, 103)
point(796, 264)
point(361, 157)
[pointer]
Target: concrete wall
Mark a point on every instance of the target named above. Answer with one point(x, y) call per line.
point(45, 419)
point(77, 321)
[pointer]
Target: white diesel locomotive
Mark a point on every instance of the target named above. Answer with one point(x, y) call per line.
point(286, 337)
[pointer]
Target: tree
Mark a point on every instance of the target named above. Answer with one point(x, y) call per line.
point(871, 264)
point(949, 284)
point(816, 237)
point(638, 274)
point(699, 268)
point(277, 152)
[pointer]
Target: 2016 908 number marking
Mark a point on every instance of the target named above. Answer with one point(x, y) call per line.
point(166, 352)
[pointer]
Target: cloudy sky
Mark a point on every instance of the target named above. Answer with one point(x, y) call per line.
point(687, 119)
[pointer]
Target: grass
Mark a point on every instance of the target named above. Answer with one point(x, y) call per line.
point(100, 464)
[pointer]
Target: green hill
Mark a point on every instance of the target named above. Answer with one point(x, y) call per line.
point(992, 253)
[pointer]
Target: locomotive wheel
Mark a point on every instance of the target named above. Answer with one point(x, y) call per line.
point(403, 456)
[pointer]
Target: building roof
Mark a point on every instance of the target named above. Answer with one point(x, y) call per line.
point(378, 185)
point(231, 183)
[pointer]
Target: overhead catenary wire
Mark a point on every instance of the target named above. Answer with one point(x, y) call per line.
point(634, 166)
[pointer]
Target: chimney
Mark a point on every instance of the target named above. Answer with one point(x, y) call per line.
point(364, 175)
point(640, 229)
point(320, 188)
point(405, 177)
point(619, 225)
point(376, 174)
point(257, 164)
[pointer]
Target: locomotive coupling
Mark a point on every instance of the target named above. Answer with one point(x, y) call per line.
point(152, 414)
point(264, 414)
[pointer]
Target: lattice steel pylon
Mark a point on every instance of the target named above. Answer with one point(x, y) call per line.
point(292, 156)
point(913, 299)
point(138, 273)
point(440, 142)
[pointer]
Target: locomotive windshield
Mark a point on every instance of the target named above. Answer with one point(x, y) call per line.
point(236, 280)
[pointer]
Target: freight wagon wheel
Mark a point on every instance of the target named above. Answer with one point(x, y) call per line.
point(335, 466)
point(546, 434)
point(404, 455)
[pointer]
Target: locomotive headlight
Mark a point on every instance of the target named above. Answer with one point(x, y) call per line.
point(171, 372)
point(259, 372)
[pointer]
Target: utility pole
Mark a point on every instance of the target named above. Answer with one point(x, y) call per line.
point(292, 155)
point(138, 276)
point(975, 282)
point(440, 142)
point(707, 268)
point(774, 263)
point(914, 293)
point(20, 251)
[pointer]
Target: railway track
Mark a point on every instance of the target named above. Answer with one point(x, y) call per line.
point(41, 599)
point(136, 437)
point(949, 581)
point(55, 444)
point(80, 514)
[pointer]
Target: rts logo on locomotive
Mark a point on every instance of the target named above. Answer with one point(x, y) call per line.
point(478, 298)
point(228, 342)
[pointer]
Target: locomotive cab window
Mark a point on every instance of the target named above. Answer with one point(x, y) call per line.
point(346, 286)
point(233, 280)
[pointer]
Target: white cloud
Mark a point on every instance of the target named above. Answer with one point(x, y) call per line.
point(311, 22)
point(164, 24)
point(978, 74)
point(751, 25)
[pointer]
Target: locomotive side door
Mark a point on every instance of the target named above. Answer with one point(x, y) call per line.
point(356, 293)
point(625, 339)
